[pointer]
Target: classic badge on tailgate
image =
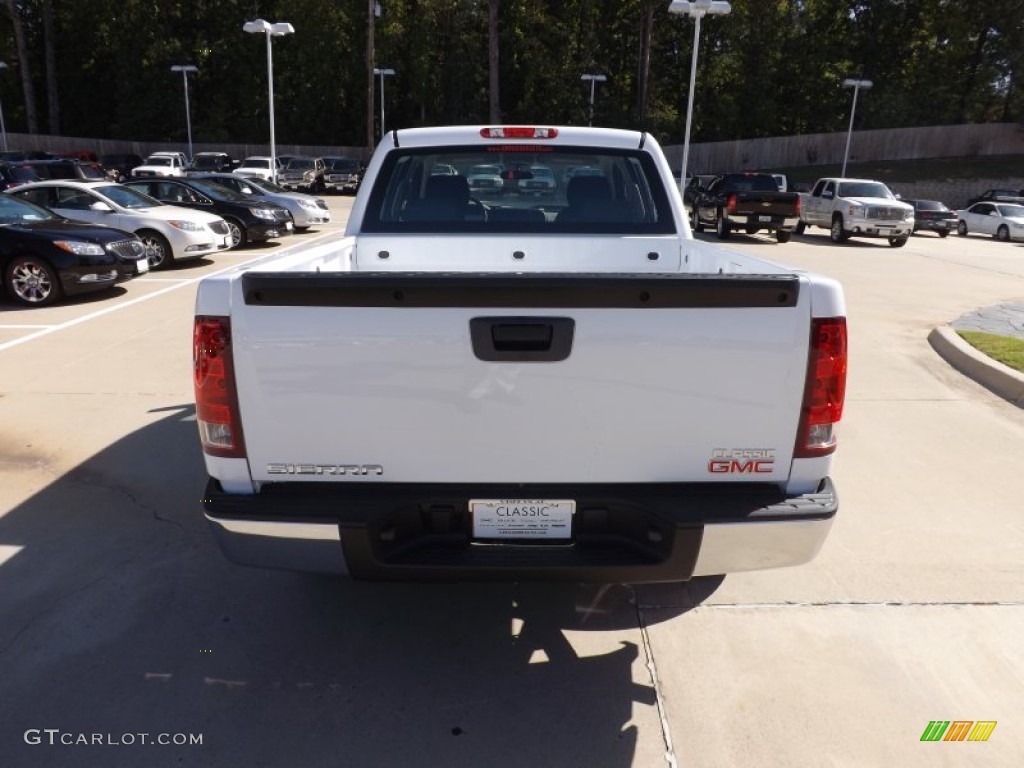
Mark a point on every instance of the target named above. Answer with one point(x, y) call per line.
point(522, 518)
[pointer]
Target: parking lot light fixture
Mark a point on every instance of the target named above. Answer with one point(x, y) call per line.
point(3, 128)
point(277, 29)
point(697, 10)
point(856, 85)
point(593, 80)
point(382, 73)
point(185, 69)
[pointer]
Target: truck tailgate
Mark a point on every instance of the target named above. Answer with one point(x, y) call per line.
point(597, 378)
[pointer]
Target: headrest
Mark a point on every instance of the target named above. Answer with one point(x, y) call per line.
point(587, 189)
point(447, 187)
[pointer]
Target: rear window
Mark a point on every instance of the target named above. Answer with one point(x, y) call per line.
point(430, 190)
point(930, 205)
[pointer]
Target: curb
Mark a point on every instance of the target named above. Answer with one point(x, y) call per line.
point(999, 378)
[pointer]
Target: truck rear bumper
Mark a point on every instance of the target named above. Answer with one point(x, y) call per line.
point(763, 221)
point(621, 533)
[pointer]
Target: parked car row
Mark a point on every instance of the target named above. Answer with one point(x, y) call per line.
point(63, 236)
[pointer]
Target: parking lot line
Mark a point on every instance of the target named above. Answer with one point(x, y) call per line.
point(22, 327)
point(46, 330)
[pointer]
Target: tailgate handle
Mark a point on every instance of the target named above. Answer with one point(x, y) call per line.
point(522, 339)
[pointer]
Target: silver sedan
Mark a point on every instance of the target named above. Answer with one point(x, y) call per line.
point(306, 210)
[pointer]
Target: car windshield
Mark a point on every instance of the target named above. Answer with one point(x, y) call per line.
point(15, 211)
point(343, 164)
point(623, 195)
point(254, 162)
point(207, 161)
point(127, 197)
point(269, 186)
point(1011, 211)
point(20, 173)
point(158, 161)
point(299, 164)
point(218, 192)
point(864, 189)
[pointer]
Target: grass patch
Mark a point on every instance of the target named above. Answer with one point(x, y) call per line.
point(926, 169)
point(1006, 349)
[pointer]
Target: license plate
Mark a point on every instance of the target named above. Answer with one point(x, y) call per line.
point(288, 226)
point(142, 265)
point(765, 219)
point(545, 519)
point(225, 241)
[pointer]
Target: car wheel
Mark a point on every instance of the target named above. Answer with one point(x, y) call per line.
point(695, 224)
point(961, 228)
point(722, 229)
point(158, 250)
point(944, 233)
point(783, 235)
point(897, 242)
point(237, 232)
point(800, 227)
point(1003, 233)
point(836, 233)
point(32, 282)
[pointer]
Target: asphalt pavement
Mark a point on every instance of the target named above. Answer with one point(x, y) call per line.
point(1000, 319)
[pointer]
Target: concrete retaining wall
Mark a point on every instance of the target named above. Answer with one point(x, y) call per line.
point(865, 146)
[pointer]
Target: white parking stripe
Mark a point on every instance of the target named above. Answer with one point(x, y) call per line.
point(22, 327)
point(46, 330)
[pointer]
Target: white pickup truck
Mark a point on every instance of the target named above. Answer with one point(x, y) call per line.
point(170, 164)
point(856, 208)
point(506, 387)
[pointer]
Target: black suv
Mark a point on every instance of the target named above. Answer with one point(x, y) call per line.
point(13, 174)
point(211, 162)
point(67, 169)
point(248, 218)
point(342, 174)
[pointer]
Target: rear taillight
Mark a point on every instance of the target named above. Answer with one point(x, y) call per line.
point(220, 427)
point(731, 203)
point(825, 389)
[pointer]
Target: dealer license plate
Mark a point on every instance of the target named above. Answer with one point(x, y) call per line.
point(765, 219)
point(545, 519)
point(288, 226)
point(142, 266)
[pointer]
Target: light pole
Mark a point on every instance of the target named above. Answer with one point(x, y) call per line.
point(856, 85)
point(278, 29)
point(697, 10)
point(3, 128)
point(593, 79)
point(185, 69)
point(383, 73)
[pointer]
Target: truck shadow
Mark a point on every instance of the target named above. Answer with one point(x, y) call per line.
point(121, 617)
